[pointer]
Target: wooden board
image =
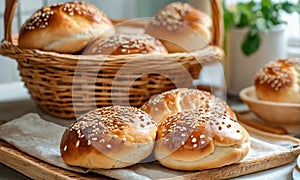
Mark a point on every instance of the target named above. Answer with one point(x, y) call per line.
point(37, 169)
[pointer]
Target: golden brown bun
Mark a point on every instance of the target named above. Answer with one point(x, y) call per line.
point(125, 43)
point(201, 139)
point(161, 106)
point(64, 28)
point(181, 27)
point(109, 137)
point(279, 81)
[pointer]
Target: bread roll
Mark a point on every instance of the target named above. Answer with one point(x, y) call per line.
point(201, 139)
point(64, 28)
point(161, 106)
point(181, 27)
point(125, 43)
point(109, 137)
point(279, 81)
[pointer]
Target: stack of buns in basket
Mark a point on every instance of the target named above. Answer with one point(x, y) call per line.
point(70, 27)
point(75, 41)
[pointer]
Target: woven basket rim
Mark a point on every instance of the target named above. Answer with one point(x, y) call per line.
point(7, 46)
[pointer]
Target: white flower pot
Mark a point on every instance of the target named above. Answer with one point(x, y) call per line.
point(240, 70)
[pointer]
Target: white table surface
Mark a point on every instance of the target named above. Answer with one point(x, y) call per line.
point(15, 102)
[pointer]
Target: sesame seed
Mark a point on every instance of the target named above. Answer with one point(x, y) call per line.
point(77, 143)
point(114, 137)
point(65, 148)
point(194, 140)
point(195, 145)
point(108, 146)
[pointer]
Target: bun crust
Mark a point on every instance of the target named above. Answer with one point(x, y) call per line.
point(124, 43)
point(279, 81)
point(64, 28)
point(200, 139)
point(181, 27)
point(161, 106)
point(109, 137)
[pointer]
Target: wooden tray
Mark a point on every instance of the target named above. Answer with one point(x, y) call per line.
point(249, 118)
point(37, 169)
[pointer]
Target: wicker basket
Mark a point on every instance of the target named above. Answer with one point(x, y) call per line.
point(65, 85)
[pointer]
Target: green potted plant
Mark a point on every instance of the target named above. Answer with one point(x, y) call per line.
point(255, 34)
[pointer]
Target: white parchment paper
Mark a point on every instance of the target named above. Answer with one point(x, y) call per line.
point(41, 139)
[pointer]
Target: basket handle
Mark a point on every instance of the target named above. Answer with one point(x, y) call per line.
point(9, 13)
point(218, 24)
point(216, 5)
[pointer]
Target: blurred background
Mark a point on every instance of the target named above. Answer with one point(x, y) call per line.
point(118, 9)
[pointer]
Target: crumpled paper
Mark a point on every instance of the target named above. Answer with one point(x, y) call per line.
point(41, 139)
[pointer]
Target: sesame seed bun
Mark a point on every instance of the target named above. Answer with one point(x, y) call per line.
point(181, 27)
point(279, 81)
point(196, 130)
point(109, 137)
point(125, 43)
point(64, 28)
point(200, 139)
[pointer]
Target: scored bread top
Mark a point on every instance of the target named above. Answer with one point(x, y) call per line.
point(200, 130)
point(170, 102)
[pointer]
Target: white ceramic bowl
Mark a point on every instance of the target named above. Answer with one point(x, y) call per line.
point(296, 172)
point(273, 112)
